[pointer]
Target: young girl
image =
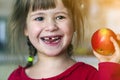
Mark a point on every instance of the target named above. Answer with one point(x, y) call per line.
point(50, 28)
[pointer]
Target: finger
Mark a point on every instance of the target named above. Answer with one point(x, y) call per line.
point(100, 57)
point(118, 36)
point(115, 45)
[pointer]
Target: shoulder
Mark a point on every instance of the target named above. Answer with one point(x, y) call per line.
point(85, 67)
point(16, 74)
point(86, 71)
point(82, 71)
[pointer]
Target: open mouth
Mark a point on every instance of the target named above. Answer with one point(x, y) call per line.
point(51, 39)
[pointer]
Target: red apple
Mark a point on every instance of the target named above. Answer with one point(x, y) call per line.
point(101, 42)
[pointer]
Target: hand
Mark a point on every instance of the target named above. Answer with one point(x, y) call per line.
point(115, 57)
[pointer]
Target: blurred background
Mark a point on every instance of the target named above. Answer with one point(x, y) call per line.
point(98, 13)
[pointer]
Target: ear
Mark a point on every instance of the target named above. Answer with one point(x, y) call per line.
point(25, 32)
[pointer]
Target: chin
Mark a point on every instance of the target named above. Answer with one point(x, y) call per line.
point(52, 53)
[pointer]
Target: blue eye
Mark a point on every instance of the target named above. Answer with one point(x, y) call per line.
point(39, 18)
point(60, 17)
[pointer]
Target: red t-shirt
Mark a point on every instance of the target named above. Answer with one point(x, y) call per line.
point(79, 71)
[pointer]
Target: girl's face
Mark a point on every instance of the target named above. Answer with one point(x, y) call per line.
point(51, 30)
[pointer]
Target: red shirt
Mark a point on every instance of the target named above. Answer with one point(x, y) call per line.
point(79, 71)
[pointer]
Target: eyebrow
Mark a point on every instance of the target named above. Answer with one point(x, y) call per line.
point(33, 14)
point(61, 12)
point(42, 13)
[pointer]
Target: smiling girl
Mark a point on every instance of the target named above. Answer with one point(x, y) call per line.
point(48, 27)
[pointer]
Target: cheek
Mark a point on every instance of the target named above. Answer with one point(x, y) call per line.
point(33, 27)
point(34, 34)
point(68, 31)
point(68, 28)
point(34, 30)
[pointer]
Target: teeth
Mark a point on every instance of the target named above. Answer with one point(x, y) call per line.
point(46, 38)
point(50, 38)
point(55, 38)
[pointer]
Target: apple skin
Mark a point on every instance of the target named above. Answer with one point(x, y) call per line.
point(101, 42)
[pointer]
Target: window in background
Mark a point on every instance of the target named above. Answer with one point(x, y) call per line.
point(2, 34)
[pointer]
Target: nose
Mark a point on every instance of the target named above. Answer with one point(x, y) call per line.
point(51, 25)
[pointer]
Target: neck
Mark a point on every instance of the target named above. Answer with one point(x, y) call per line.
point(54, 65)
point(53, 60)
